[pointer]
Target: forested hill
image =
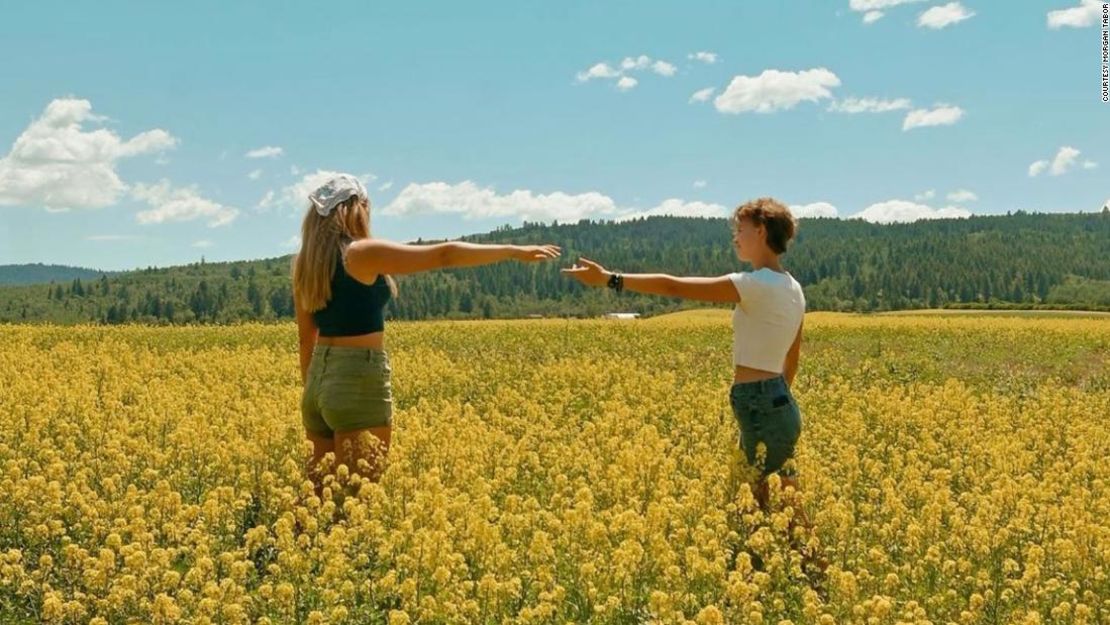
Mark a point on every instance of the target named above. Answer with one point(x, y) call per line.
point(1058, 260)
point(36, 273)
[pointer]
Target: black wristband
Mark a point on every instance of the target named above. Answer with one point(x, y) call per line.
point(616, 282)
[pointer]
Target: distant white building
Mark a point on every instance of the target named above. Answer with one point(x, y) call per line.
point(622, 315)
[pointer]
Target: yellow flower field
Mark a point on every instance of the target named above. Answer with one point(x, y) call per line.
point(558, 471)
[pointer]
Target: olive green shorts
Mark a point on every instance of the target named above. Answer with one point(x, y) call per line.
point(348, 388)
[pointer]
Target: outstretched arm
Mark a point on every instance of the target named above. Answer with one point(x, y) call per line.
point(374, 256)
point(716, 289)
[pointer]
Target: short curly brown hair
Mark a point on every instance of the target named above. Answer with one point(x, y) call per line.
point(773, 215)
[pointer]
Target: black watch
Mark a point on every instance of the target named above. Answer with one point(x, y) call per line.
point(616, 281)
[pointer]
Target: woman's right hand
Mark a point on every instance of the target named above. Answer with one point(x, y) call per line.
point(533, 253)
point(369, 257)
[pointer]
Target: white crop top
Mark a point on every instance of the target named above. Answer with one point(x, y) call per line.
point(766, 320)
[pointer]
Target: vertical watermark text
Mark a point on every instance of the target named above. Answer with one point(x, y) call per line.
point(1106, 51)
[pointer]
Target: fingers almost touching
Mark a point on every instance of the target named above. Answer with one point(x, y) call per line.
point(549, 251)
point(590, 263)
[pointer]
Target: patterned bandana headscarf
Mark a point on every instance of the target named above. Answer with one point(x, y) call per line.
point(334, 191)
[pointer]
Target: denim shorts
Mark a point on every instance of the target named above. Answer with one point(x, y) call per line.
point(766, 413)
point(347, 388)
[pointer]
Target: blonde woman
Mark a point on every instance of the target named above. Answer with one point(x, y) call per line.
point(341, 285)
point(767, 334)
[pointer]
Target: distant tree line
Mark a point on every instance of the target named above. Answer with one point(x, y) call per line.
point(1018, 260)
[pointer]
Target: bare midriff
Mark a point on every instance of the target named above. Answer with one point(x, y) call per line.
point(747, 374)
point(373, 340)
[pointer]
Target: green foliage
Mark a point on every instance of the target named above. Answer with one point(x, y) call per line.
point(1020, 260)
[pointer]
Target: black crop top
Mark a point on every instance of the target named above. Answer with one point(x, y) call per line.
point(354, 307)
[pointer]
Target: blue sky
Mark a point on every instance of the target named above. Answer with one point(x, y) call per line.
point(127, 129)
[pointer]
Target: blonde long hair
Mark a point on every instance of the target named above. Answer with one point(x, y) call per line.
point(320, 238)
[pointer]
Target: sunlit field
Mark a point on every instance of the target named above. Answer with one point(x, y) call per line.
point(553, 471)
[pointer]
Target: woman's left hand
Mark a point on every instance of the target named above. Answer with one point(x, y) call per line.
point(588, 272)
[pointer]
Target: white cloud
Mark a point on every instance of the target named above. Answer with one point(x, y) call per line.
point(640, 62)
point(815, 209)
point(469, 201)
point(868, 105)
point(702, 95)
point(293, 241)
point(962, 195)
point(941, 115)
point(1085, 14)
point(699, 184)
point(944, 15)
point(149, 141)
point(628, 64)
point(269, 151)
point(57, 164)
point(179, 204)
point(873, 9)
point(473, 202)
point(600, 70)
point(705, 57)
point(893, 211)
point(678, 208)
point(626, 83)
point(926, 195)
point(293, 169)
point(385, 186)
point(295, 196)
point(255, 175)
point(775, 90)
point(267, 200)
point(1064, 160)
point(663, 68)
point(202, 243)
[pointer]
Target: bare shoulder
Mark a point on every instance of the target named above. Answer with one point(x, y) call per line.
point(363, 247)
point(361, 259)
point(371, 256)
